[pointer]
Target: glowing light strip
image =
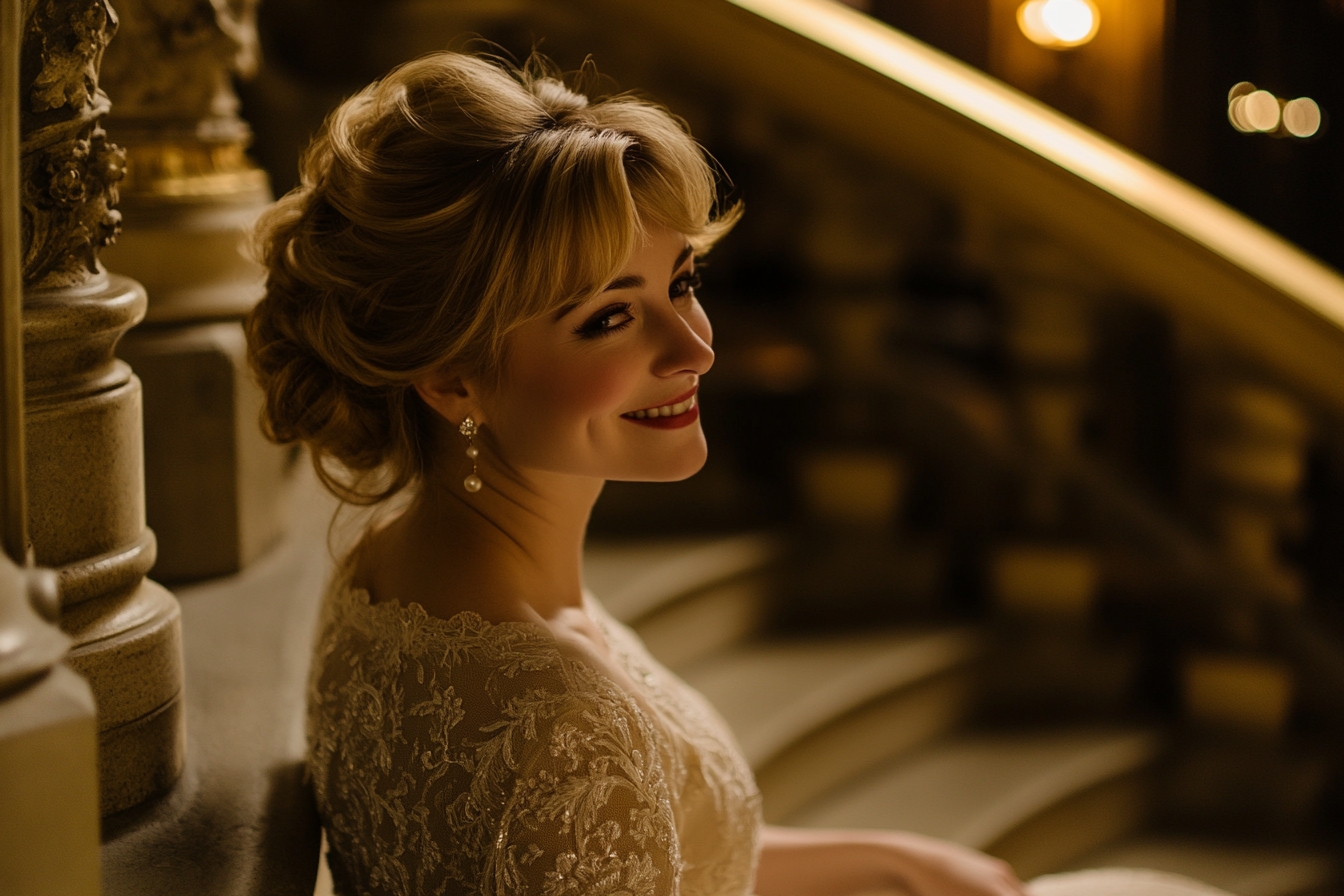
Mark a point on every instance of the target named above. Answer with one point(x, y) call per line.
point(1091, 157)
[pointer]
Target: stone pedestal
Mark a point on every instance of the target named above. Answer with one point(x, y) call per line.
point(48, 745)
point(217, 492)
point(48, 786)
point(189, 249)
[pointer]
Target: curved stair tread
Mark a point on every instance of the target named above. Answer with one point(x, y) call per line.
point(707, 622)
point(1234, 867)
point(634, 579)
point(1120, 882)
point(775, 693)
point(976, 789)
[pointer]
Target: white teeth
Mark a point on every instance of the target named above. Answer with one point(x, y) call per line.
point(667, 410)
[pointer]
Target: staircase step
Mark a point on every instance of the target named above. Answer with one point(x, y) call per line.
point(1120, 882)
point(636, 579)
point(1237, 868)
point(813, 714)
point(707, 622)
point(1037, 799)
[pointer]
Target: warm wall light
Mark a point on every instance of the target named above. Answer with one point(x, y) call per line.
point(1059, 24)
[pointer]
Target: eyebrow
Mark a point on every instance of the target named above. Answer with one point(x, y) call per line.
point(634, 281)
point(684, 254)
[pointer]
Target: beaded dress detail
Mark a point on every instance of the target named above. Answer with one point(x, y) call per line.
point(460, 756)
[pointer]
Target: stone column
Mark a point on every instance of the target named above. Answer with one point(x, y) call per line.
point(85, 477)
point(216, 491)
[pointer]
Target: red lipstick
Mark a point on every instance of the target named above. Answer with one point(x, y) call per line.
point(685, 418)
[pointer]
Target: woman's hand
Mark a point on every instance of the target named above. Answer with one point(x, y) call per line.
point(802, 862)
point(941, 868)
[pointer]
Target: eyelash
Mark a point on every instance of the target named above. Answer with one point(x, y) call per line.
point(594, 328)
point(689, 283)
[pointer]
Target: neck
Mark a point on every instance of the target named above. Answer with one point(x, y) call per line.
point(520, 538)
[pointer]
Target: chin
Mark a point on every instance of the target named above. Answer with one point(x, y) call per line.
point(688, 472)
point(672, 470)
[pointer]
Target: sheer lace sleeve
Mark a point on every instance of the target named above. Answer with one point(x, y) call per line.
point(457, 756)
point(589, 812)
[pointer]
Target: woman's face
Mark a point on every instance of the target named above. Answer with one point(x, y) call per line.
point(607, 389)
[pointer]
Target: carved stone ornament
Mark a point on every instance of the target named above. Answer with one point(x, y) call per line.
point(69, 169)
point(173, 63)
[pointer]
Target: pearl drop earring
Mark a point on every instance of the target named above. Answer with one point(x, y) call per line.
point(468, 428)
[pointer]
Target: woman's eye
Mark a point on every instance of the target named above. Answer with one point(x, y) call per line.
point(685, 285)
point(606, 321)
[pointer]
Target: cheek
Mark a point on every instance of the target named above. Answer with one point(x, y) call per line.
point(569, 391)
point(596, 388)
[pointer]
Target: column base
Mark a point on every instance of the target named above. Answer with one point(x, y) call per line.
point(129, 647)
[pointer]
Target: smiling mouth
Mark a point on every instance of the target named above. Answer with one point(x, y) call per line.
point(678, 413)
point(676, 409)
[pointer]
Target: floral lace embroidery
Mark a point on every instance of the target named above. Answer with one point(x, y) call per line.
point(461, 756)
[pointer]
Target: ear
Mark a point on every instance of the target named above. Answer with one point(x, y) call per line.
point(451, 397)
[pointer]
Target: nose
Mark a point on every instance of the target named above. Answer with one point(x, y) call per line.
point(683, 343)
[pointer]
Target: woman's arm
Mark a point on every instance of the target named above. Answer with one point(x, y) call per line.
point(804, 862)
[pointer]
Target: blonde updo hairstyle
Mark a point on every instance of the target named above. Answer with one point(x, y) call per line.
point(440, 208)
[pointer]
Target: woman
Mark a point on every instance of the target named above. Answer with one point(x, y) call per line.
point(483, 296)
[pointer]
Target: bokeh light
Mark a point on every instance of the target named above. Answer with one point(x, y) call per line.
point(1236, 98)
point(1260, 110)
point(1302, 117)
point(1059, 24)
point(1236, 116)
point(1255, 111)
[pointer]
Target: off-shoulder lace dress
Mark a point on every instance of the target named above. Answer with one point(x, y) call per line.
point(460, 756)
